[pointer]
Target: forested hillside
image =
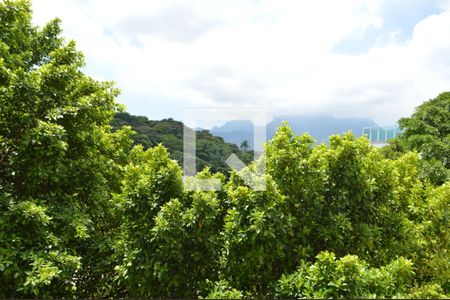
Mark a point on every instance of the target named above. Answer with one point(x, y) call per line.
point(86, 214)
point(211, 151)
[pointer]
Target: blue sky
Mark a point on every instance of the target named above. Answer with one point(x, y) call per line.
point(399, 17)
point(351, 58)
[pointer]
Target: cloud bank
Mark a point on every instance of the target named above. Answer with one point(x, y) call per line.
point(351, 58)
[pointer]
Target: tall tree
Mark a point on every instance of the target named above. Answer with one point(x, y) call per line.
point(59, 163)
point(428, 132)
point(244, 146)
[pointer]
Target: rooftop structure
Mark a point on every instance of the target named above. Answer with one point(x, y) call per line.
point(379, 136)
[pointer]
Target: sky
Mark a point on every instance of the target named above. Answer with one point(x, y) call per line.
point(375, 59)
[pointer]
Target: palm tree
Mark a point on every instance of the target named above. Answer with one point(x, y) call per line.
point(244, 146)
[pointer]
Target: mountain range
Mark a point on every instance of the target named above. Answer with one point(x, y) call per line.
point(318, 126)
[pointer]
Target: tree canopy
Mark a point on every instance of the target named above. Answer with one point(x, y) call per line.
point(427, 131)
point(211, 151)
point(84, 213)
point(59, 162)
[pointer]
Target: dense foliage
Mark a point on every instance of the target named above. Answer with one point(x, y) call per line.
point(427, 131)
point(59, 163)
point(210, 150)
point(85, 214)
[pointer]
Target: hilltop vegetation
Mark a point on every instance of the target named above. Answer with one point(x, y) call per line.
point(86, 214)
point(211, 151)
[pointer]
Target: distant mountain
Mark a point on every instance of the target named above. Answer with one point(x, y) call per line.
point(235, 132)
point(318, 126)
point(237, 125)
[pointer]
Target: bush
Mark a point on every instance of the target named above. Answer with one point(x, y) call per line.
point(347, 277)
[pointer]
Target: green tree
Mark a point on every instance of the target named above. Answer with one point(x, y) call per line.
point(432, 220)
point(59, 163)
point(347, 277)
point(345, 197)
point(427, 131)
point(244, 146)
point(172, 238)
point(257, 230)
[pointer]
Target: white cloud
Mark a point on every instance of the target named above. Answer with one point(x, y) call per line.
point(276, 53)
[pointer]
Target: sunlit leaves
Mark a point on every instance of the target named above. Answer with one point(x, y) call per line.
point(347, 277)
point(427, 131)
point(59, 163)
